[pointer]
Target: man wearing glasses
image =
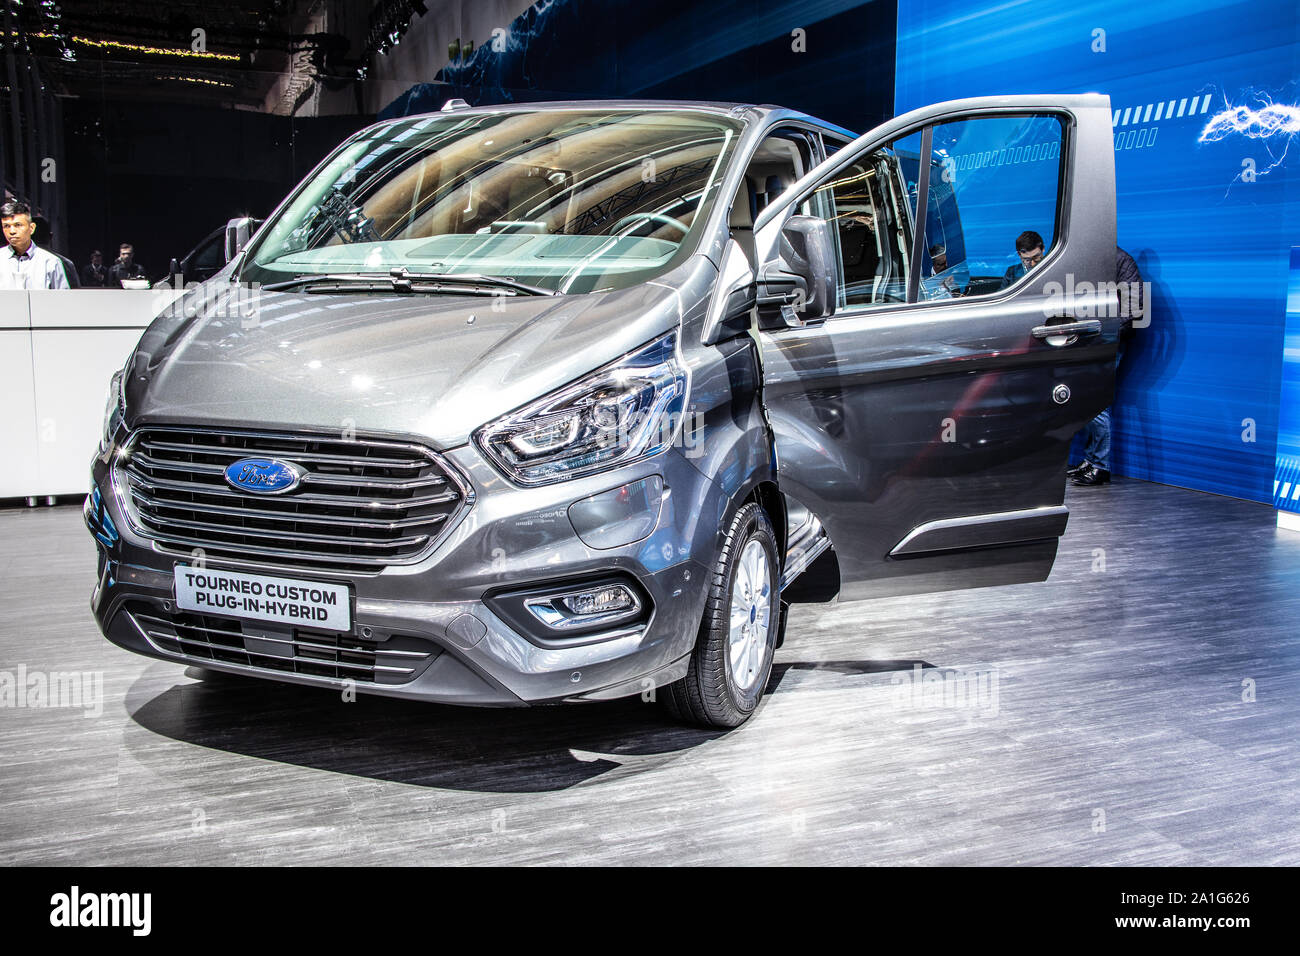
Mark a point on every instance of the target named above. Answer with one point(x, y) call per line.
point(1029, 247)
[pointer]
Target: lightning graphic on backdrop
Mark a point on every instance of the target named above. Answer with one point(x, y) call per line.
point(1270, 123)
point(1273, 119)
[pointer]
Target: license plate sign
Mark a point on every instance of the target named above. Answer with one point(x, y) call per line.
point(261, 598)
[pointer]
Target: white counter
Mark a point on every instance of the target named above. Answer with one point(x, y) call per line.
point(58, 349)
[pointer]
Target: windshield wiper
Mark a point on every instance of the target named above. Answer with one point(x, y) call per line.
point(402, 275)
point(313, 278)
point(403, 280)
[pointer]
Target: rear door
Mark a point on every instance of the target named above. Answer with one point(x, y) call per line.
point(927, 422)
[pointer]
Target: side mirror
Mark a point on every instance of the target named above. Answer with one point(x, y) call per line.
point(799, 287)
point(733, 299)
point(238, 232)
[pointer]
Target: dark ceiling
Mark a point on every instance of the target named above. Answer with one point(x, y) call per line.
point(148, 50)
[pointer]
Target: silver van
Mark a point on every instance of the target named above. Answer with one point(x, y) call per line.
point(571, 401)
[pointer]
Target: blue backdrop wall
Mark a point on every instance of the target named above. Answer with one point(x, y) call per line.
point(1206, 97)
point(1286, 483)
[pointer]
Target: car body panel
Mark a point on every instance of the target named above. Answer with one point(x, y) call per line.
point(437, 366)
point(891, 417)
point(796, 412)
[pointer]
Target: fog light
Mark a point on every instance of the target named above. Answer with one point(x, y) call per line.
point(612, 598)
point(604, 604)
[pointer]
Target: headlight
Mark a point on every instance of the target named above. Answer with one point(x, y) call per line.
point(619, 414)
point(114, 410)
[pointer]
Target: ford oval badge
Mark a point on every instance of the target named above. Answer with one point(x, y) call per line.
point(263, 476)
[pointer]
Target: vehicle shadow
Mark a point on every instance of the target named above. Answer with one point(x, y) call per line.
point(509, 750)
point(782, 670)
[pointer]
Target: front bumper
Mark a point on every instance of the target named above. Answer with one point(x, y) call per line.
point(432, 616)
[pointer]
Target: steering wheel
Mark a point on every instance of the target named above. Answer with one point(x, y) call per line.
point(653, 217)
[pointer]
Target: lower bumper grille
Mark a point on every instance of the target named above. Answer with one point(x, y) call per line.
point(202, 638)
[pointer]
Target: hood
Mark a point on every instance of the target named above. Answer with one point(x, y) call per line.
point(430, 366)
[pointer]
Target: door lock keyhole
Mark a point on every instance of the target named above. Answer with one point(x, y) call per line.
point(1061, 394)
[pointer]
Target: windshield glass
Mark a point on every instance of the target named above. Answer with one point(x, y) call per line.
point(569, 200)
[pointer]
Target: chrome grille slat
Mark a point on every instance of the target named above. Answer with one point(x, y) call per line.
point(321, 559)
point(255, 656)
point(404, 485)
point(205, 639)
point(233, 631)
point(163, 524)
point(207, 468)
point(310, 459)
point(322, 499)
point(284, 516)
point(360, 506)
point(301, 642)
point(195, 467)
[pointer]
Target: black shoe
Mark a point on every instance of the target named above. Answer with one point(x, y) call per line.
point(1092, 476)
point(1078, 469)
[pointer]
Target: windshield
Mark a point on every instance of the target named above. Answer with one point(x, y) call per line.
point(567, 200)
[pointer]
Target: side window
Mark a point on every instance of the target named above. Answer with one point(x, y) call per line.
point(991, 209)
point(781, 158)
point(872, 205)
point(992, 204)
point(211, 255)
point(832, 144)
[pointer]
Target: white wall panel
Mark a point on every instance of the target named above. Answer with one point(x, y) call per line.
point(18, 419)
point(56, 369)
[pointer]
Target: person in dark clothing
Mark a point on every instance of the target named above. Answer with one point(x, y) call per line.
point(94, 275)
point(1029, 247)
point(43, 236)
point(1095, 468)
point(125, 267)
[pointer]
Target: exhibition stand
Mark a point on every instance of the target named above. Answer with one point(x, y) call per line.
point(58, 350)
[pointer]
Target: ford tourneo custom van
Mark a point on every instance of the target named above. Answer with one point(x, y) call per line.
point(572, 401)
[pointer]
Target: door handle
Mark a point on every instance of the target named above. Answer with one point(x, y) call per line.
point(1072, 329)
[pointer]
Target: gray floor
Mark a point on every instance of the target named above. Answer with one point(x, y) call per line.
point(1103, 723)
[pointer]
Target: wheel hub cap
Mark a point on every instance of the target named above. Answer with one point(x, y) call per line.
point(751, 600)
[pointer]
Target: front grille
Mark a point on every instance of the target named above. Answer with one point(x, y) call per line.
point(361, 504)
point(293, 650)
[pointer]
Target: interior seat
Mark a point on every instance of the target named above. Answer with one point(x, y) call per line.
point(741, 221)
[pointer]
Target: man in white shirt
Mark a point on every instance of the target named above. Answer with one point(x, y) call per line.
point(22, 264)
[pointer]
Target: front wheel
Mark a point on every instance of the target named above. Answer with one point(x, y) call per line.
point(733, 654)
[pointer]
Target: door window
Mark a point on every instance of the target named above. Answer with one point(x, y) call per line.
point(992, 187)
point(992, 205)
point(872, 204)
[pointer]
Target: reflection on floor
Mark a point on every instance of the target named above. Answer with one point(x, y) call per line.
point(1142, 706)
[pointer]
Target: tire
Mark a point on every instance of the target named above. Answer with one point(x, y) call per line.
point(728, 671)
